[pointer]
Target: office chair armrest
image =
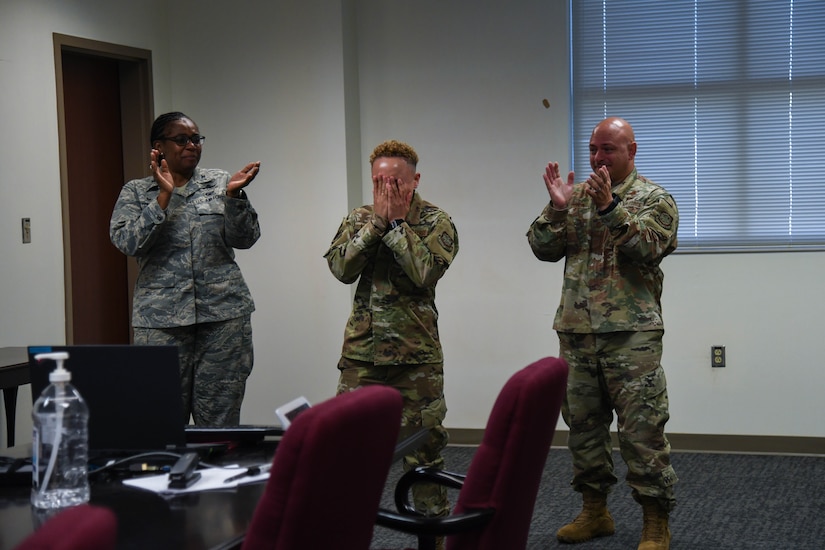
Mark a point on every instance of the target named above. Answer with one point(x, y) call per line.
point(435, 526)
point(423, 474)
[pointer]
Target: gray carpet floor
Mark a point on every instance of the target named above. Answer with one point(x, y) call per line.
point(730, 501)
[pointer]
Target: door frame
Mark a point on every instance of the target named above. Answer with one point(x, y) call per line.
point(137, 113)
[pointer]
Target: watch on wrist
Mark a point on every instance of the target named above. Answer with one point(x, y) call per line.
point(396, 223)
point(613, 204)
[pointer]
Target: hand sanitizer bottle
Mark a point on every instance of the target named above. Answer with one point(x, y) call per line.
point(60, 443)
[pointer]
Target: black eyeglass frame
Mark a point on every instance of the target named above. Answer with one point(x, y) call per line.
point(183, 140)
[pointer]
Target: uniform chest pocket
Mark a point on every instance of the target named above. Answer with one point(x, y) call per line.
point(210, 205)
point(211, 220)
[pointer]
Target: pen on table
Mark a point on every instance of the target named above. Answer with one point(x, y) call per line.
point(251, 471)
point(147, 468)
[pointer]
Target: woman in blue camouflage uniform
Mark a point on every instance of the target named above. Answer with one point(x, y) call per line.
point(182, 225)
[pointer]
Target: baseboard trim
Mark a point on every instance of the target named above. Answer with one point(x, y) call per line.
point(760, 444)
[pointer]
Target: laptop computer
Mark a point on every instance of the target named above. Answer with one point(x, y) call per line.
point(133, 394)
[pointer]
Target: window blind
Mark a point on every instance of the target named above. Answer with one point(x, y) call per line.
point(727, 100)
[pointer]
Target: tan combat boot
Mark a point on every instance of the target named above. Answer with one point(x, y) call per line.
point(593, 521)
point(655, 530)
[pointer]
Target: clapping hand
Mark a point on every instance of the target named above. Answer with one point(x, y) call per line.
point(242, 178)
point(160, 171)
point(559, 190)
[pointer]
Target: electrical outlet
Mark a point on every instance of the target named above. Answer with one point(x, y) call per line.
point(717, 356)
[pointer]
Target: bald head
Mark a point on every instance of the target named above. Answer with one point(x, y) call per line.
point(613, 145)
point(618, 127)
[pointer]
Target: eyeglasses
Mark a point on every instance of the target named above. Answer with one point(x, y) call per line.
point(183, 139)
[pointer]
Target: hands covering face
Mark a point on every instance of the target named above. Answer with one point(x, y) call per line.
point(391, 197)
point(393, 182)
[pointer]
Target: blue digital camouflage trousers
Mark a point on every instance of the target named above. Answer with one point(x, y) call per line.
point(619, 372)
point(422, 387)
point(215, 361)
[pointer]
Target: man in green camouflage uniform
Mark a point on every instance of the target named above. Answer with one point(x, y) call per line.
point(183, 224)
point(398, 248)
point(613, 231)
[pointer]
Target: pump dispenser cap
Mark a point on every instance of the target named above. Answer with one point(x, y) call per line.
point(59, 374)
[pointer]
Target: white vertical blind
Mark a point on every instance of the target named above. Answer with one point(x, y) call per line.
point(727, 99)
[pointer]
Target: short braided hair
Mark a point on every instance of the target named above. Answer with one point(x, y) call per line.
point(160, 124)
point(398, 149)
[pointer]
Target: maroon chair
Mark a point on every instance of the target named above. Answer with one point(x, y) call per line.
point(328, 474)
point(497, 495)
point(83, 527)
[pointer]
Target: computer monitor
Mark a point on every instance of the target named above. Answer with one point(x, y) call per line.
point(133, 394)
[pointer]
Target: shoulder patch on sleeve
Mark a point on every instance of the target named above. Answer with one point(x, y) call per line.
point(665, 219)
point(446, 241)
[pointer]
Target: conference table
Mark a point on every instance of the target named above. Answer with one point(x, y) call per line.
point(206, 520)
point(14, 372)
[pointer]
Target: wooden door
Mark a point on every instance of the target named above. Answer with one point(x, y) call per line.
point(104, 115)
point(94, 155)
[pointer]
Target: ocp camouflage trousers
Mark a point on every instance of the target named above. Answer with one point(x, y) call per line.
point(619, 372)
point(422, 387)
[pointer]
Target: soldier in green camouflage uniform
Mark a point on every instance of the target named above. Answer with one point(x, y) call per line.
point(613, 231)
point(183, 224)
point(397, 249)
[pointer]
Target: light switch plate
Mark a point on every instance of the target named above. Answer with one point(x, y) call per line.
point(27, 230)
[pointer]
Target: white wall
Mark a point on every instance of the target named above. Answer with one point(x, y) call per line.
point(463, 82)
point(31, 296)
point(465, 87)
point(266, 84)
point(31, 275)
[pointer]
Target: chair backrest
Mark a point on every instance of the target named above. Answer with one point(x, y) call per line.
point(328, 474)
point(83, 527)
point(506, 469)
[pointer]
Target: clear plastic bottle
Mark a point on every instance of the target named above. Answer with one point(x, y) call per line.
point(60, 444)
